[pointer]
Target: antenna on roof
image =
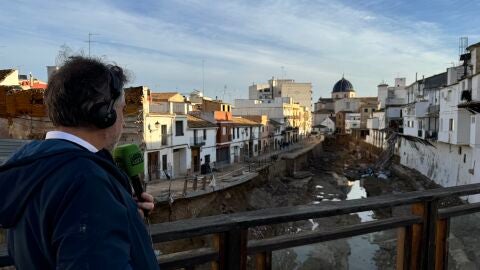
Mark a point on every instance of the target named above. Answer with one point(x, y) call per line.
point(224, 91)
point(203, 77)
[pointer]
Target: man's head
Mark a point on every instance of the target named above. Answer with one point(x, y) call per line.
point(85, 96)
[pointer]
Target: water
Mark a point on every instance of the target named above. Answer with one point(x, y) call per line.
point(362, 250)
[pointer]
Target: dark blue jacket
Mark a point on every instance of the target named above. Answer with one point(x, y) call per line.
point(67, 208)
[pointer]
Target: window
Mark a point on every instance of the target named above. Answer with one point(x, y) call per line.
point(459, 150)
point(233, 130)
point(224, 130)
point(365, 110)
point(441, 124)
point(204, 134)
point(451, 124)
point(420, 124)
point(238, 132)
point(178, 128)
point(473, 119)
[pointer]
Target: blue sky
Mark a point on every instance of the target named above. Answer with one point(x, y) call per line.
point(163, 43)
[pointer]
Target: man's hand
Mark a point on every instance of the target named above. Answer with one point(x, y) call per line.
point(147, 205)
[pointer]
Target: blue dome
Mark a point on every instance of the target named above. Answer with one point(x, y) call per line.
point(343, 86)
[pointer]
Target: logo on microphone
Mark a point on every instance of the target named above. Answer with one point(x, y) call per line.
point(136, 159)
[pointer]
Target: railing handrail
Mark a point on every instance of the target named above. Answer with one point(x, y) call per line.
point(215, 224)
point(232, 228)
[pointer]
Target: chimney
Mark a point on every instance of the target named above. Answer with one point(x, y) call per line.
point(31, 79)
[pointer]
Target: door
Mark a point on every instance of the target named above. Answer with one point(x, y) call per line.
point(176, 162)
point(153, 170)
point(195, 159)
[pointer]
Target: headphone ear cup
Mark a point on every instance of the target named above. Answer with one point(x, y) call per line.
point(101, 117)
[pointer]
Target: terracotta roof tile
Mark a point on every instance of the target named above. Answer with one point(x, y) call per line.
point(240, 121)
point(195, 122)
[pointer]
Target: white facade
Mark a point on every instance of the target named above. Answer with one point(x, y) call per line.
point(300, 92)
point(167, 153)
point(454, 122)
point(202, 146)
point(281, 109)
point(329, 124)
point(392, 95)
point(352, 121)
point(245, 142)
point(446, 164)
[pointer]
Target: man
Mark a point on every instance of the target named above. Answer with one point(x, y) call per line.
point(64, 202)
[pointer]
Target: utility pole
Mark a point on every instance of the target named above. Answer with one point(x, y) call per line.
point(90, 41)
point(203, 77)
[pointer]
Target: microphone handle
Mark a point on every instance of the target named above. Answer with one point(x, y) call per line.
point(137, 187)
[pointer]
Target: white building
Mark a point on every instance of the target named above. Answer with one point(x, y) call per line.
point(203, 142)
point(245, 139)
point(328, 125)
point(161, 125)
point(352, 121)
point(323, 109)
point(283, 110)
point(421, 114)
point(300, 92)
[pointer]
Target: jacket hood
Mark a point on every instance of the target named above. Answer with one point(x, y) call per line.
point(25, 172)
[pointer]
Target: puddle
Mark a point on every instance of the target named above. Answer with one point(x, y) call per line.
point(362, 250)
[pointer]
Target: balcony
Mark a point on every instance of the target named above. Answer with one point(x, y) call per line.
point(197, 142)
point(433, 109)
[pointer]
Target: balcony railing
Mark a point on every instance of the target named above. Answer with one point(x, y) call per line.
point(433, 109)
point(422, 234)
point(197, 141)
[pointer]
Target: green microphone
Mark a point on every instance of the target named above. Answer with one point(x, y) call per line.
point(130, 159)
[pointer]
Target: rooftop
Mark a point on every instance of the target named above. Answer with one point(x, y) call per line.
point(196, 122)
point(240, 121)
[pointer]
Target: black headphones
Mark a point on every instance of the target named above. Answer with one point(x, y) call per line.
point(102, 114)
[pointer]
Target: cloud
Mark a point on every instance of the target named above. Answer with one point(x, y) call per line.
point(164, 43)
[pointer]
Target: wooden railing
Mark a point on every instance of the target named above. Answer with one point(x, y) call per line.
point(421, 235)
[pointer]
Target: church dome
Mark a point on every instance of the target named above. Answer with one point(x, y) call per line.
point(343, 86)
